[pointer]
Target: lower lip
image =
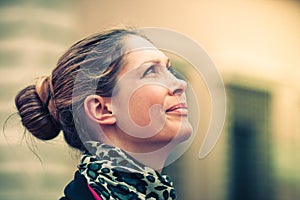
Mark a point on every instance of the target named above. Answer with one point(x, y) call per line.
point(179, 111)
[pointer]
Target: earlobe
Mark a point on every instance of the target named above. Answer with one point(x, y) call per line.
point(98, 109)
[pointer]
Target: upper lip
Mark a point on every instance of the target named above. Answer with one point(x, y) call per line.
point(177, 106)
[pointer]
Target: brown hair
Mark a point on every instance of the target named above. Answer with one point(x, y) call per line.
point(51, 104)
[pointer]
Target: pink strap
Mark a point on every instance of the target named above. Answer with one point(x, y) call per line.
point(95, 195)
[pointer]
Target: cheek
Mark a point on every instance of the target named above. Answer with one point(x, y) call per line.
point(145, 100)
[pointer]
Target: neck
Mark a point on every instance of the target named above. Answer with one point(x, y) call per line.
point(149, 154)
point(154, 160)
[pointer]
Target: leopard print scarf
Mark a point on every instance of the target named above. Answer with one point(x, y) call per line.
point(114, 174)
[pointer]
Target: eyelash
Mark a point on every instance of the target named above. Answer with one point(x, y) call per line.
point(175, 73)
point(153, 69)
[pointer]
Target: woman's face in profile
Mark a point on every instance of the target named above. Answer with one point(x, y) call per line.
point(150, 103)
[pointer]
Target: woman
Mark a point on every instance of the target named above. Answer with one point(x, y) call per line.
point(117, 100)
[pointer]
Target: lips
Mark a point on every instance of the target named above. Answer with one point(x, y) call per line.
point(180, 108)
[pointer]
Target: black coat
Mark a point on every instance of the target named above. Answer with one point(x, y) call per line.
point(77, 189)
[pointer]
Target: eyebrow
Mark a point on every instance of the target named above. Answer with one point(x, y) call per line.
point(157, 61)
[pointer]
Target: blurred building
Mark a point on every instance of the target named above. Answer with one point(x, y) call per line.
point(254, 44)
point(32, 35)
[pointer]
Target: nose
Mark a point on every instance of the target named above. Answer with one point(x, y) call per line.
point(177, 87)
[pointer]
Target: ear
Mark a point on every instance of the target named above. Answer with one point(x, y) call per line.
point(98, 109)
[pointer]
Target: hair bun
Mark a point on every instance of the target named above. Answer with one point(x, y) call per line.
point(32, 104)
point(43, 89)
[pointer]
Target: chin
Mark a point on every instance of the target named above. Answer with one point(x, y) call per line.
point(180, 134)
point(172, 136)
point(184, 133)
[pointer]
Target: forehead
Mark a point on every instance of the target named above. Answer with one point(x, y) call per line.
point(140, 50)
point(134, 42)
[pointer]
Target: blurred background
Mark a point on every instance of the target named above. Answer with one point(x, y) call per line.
point(255, 46)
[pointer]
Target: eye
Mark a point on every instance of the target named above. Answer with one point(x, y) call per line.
point(151, 70)
point(173, 71)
